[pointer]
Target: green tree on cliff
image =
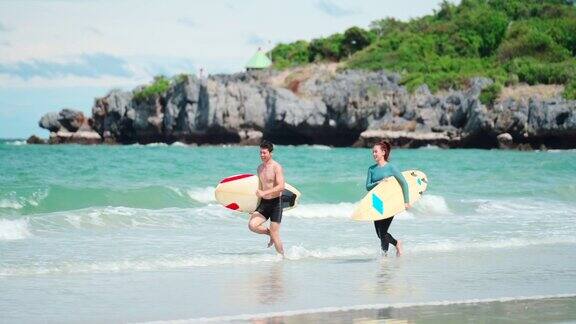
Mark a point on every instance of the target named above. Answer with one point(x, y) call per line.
point(511, 41)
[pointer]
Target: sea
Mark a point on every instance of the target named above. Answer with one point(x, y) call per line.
point(131, 234)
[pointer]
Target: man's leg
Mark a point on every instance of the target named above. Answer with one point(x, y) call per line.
point(275, 237)
point(256, 224)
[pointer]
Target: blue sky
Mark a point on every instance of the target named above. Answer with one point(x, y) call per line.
point(58, 54)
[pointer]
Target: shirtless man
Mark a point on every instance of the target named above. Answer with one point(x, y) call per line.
point(271, 185)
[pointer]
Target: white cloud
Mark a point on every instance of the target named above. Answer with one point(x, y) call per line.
point(43, 30)
point(94, 30)
point(333, 9)
point(257, 40)
point(71, 81)
point(188, 22)
point(85, 65)
point(96, 70)
point(50, 44)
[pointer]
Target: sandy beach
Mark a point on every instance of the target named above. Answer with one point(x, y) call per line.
point(505, 310)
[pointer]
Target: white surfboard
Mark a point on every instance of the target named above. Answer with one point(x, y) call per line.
point(386, 199)
point(238, 192)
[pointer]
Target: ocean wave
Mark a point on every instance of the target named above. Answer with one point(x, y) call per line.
point(513, 208)
point(127, 217)
point(450, 246)
point(429, 147)
point(431, 204)
point(340, 210)
point(293, 253)
point(14, 229)
point(56, 198)
point(559, 151)
point(11, 203)
point(134, 265)
point(17, 143)
point(281, 314)
point(428, 205)
point(203, 195)
point(321, 147)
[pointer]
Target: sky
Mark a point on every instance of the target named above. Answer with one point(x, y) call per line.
point(58, 54)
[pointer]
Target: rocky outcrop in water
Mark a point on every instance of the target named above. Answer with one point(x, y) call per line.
point(68, 126)
point(317, 107)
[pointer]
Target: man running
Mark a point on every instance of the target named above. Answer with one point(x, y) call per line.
point(271, 185)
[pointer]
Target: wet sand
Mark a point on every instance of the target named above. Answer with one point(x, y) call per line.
point(556, 309)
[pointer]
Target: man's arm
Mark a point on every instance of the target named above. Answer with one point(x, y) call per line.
point(260, 186)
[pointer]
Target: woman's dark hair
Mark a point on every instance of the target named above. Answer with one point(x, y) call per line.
point(386, 147)
point(267, 145)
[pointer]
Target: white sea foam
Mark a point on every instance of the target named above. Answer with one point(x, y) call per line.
point(14, 229)
point(513, 208)
point(249, 317)
point(429, 147)
point(179, 144)
point(17, 143)
point(10, 203)
point(428, 205)
point(17, 202)
point(340, 210)
point(293, 253)
point(113, 217)
point(560, 151)
point(91, 217)
point(320, 147)
point(127, 217)
point(202, 195)
point(299, 252)
point(37, 197)
point(449, 246)
point(432, 205)
point(156, 144)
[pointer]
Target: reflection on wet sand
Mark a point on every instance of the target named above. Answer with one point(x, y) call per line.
point(269, 285)
point(556, 309)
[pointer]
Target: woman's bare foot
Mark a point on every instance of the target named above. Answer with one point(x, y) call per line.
point(399, 248)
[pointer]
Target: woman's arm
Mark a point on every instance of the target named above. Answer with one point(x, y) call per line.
point(369, 183)
point(402, 181)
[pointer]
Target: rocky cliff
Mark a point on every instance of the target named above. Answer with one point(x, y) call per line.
point(317, 105)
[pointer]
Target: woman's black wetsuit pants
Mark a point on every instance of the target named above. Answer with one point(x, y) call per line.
point(382, 231)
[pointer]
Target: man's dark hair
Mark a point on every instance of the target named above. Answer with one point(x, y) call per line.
point(267, 145)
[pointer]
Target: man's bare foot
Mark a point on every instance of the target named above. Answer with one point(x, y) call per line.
point(399, 248)
point(271, 242)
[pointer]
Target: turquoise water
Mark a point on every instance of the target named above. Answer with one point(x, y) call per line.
point(132, 233)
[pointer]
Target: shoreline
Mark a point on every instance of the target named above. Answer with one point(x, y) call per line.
point(540, 308)
point(22, 141)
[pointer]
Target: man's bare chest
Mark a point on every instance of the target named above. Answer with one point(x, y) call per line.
point(267, 175)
